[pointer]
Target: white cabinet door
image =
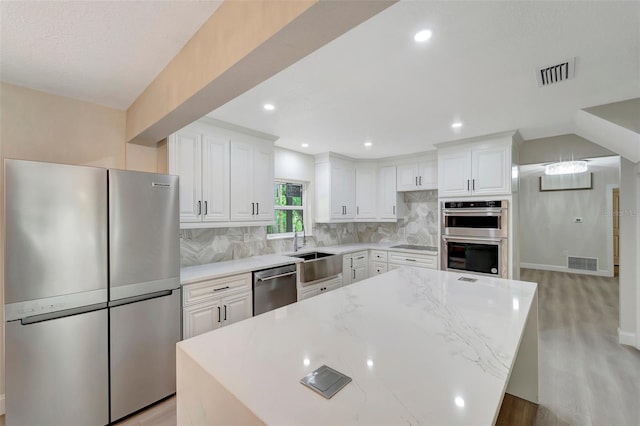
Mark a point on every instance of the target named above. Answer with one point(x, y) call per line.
point(454, 174)
point(241, 187)
point(236, 308)
point(346, 269)
point(491, 171)
point(359, 273)
point(263, 183)
point(201, 318)
point(349, 194)
point(366, 192)
point(332, 285)
point(215, 179)
point(428, 176)
point(185, 161)
point(308, 293)
point(337, 196)
point(407, 176)
point(387, 193)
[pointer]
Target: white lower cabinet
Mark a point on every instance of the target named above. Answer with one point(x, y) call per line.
point(400, 259)
point(211, 304)
point(378, 262)
point(319, 287)
point(355, 267)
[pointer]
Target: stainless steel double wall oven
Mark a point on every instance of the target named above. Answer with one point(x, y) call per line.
point(475, 237)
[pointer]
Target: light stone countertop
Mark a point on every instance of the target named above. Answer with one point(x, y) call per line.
point(191, 274)
point(421, 347)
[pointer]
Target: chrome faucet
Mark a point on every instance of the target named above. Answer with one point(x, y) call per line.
point(295, 237)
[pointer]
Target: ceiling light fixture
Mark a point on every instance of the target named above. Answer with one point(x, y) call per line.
point(305, 145)
point(456, 125)
point(565, 167)
point(422, 35)
point(269, 107)
point(368, 144)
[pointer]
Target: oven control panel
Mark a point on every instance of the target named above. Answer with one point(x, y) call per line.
point(473, 204)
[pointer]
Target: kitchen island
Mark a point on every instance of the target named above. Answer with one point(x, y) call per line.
point(422, 347)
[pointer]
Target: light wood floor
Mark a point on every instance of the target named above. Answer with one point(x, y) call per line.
point(586, 377)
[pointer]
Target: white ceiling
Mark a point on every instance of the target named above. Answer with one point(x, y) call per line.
point(375, 83)
point(105, 52)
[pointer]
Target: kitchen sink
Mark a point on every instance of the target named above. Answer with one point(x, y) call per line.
point(318, 265)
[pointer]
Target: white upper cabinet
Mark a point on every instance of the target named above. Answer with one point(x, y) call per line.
point(335, 189)
point(226, 177)
point(366, 189)
point(480, 168)
point(390, 202)
point(201, 159)
point(251, 181)
point(418, 176)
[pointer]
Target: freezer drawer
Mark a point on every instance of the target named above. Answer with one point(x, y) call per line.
point(58, 371)
point(143, 352)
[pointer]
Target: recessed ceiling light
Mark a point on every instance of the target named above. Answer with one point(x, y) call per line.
point(422, 35)
point(368, 144)
point(269, 107)
point(456, 125)
point(305, 145)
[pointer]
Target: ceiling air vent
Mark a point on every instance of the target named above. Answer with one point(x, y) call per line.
point(582, 263)
point(556, 73)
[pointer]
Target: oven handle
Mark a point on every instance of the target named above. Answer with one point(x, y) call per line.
point(472, 240)
point(472, 212)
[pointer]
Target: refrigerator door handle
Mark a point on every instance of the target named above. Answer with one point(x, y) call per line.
point(61, 314)
point(140, 298)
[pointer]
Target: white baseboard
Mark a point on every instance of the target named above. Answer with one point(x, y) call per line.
point(626, 338)
point(599, 273)
point(2, 410)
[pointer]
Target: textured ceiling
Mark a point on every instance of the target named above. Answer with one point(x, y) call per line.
point(375, 83)
point(105, 52)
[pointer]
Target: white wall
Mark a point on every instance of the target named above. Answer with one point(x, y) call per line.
point(629, 255)
point(548, 233)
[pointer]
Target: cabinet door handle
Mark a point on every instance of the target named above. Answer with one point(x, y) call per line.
point(253, 209)
point(199, 208)
point(354, 274)
point(225, 312)
point(410, 260)
point(394, 209)
point(474, 185)
point(257, 208)
point(467, 184)
point(416, 180)
point(206, 208)
point(420, 180)
point(358, 210)
point(221, 288)
point(218, 313)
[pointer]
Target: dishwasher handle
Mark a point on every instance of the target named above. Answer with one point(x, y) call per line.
point(258, 280)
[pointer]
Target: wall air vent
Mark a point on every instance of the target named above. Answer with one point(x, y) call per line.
point(582, 263)
point(556, 73)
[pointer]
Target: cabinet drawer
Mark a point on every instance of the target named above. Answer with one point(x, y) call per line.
point(320, 287)
point(377, 268)
point(360, 258)
point(410, 259)
point(379, 256)
point(198, 292)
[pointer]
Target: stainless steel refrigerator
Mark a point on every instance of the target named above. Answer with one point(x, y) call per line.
point(92, 292)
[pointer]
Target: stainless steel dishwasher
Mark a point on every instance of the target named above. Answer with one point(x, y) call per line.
point(273, 288)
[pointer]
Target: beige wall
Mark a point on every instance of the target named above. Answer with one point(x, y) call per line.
point(625, 114)
point(43, 127)
point(629, 256)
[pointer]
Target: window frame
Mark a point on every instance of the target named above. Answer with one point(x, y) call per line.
point(304, 207)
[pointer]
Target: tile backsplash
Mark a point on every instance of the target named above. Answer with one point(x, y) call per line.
point(419, 226)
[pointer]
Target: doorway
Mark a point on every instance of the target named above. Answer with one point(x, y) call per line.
point(616, 230)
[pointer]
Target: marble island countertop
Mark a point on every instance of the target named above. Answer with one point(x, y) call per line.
point(191, 274)
point(421, 347)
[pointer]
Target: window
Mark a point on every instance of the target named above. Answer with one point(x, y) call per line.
point(289, 209)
